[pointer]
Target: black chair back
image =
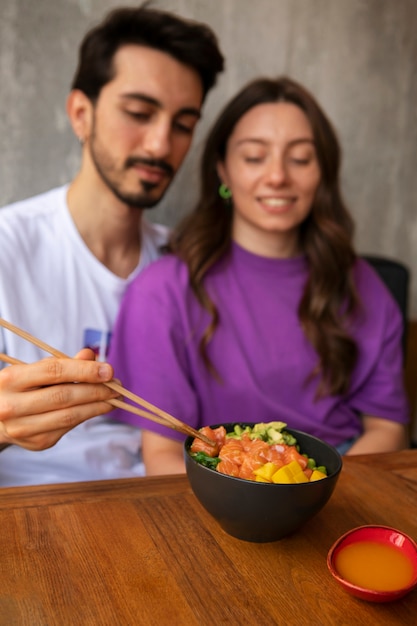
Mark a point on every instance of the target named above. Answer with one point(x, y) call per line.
point(396, 276)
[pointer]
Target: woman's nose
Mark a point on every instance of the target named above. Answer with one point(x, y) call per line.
point(277, 172)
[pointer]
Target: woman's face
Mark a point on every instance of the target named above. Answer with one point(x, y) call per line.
point(272, 170)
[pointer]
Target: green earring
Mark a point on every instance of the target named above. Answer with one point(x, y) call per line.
point(224, 192)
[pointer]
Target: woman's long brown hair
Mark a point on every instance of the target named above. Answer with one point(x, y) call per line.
point(329, 299)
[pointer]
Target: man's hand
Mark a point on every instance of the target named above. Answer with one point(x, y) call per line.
point(40, 402)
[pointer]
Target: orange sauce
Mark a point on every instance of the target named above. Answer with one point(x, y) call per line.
point(375, 566)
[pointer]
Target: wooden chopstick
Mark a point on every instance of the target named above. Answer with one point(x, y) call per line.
point(155, 414)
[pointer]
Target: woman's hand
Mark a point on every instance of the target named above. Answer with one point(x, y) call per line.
point(162, 455)
point(40, 402)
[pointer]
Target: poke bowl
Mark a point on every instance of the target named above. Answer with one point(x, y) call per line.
point(256, 509)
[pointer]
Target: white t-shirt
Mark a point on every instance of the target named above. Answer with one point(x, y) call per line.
point(54, 287)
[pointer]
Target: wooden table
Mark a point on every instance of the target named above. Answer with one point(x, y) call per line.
point(143, 551)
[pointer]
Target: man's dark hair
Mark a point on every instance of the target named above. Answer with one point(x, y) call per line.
point(191, 43)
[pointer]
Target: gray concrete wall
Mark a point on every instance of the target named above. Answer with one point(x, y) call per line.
point(359, 57)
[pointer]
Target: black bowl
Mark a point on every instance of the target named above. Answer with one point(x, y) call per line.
point(261, 512)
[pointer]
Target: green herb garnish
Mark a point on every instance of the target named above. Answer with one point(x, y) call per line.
point(206, 460)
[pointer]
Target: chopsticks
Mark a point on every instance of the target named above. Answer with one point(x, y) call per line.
point(153, 413)
point(117, 403)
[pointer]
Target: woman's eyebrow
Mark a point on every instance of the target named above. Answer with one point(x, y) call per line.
point(309, 140)
point(258, 140)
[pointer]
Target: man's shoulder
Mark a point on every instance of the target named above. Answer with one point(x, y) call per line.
point(167, 271)
point(157, 233)
point(154, 239)
point(42, 202)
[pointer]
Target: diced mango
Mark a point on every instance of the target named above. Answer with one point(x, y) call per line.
point(266, 471)
point(290, 474)
point(259, 479)
point(300, 477)
point(283, 476)
point(317, 475)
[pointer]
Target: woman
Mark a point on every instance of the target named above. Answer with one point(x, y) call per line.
point(262, 311)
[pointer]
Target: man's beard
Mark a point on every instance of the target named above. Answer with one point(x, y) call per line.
point(105, 167)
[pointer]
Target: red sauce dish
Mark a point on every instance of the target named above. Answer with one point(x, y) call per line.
point(374, 563)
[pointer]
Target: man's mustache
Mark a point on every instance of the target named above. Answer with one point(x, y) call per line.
point(158, 163)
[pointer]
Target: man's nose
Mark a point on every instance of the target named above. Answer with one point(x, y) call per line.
point(157, 140)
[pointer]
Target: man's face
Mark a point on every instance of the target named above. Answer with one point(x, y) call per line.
point(143, 124)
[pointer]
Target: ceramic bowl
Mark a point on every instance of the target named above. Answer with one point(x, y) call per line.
point(380, 578)
point(262, 512)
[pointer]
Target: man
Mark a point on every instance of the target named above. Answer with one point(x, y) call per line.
point(69, 254)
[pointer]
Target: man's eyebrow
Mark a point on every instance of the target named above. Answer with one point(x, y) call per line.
point(135, 95)
point(141, 97)
point(190, 111)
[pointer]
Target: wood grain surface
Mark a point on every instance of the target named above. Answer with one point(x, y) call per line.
point(143, 551)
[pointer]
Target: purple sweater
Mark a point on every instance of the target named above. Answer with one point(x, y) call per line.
point(258, 349)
